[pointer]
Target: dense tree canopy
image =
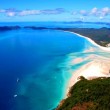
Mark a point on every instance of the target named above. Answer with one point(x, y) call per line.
point(88, 95)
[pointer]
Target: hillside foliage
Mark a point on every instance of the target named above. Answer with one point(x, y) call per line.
point(88, 95)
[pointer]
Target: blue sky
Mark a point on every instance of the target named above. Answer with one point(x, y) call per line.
point(54, 10)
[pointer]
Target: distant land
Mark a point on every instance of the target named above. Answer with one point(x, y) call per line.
point(101, 35)
point(107, 23)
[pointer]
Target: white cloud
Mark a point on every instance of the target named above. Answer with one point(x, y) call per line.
point(84, 12)
point(29, 12)
point(101, 17)
point(94, 11)
point(105, 11)
point(11, 14)
point(100, 12)
point(94, 14)
point(54, 11)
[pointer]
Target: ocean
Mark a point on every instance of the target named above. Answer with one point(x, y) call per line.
point(35, 67)
point(57, 24)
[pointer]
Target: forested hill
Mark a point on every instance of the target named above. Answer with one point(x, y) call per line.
point(88, 95)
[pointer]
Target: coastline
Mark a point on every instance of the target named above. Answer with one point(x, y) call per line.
point(98, 67)
point(90, 40)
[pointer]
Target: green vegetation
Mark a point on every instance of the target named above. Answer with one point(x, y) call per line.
point(100, 36)
point(88, 95)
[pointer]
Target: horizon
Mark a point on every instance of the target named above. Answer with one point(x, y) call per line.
point(54, 21)
point(46, 45)
point(54, 11)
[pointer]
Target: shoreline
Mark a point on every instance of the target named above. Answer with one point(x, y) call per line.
point(99, 66)
point(90, 40)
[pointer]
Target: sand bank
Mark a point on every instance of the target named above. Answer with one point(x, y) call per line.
point(99, 67)
point(90, 40)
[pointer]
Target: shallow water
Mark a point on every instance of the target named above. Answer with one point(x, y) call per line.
point(34, 66)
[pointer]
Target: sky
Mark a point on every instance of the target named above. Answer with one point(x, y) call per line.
point(55, 10)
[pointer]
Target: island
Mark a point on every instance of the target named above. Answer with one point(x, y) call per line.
point(9, 28)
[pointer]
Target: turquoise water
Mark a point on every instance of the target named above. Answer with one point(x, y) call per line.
point(34, 67)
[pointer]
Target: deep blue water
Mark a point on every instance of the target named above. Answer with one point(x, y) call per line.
point(37, 59)
point(56, 24)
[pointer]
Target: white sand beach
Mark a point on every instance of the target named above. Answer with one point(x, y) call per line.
point(99, 66)
point(90, 40)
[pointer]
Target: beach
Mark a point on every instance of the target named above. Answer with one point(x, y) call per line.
point(90, 40)
point(99, 66)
